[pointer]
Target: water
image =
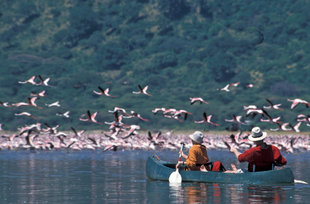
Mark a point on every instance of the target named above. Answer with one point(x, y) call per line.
point(119, 177)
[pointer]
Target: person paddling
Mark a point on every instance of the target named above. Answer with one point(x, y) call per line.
point(263, 157)
point(197, 156)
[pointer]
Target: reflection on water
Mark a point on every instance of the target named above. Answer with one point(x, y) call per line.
point(119, 177)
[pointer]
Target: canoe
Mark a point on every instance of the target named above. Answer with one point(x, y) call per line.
point(160, 170)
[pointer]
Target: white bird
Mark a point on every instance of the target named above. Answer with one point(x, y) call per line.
point(66, 114)
point(226, 88)
point(103, 92)
point(25, 114)
point(197, 99)
point(53, 104)
point(297, 101)
point(30, 81)
point(142, 90)
point(44, 82)
point(90, 117)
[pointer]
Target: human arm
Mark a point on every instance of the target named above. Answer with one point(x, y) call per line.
point(279, 160)
point(180, 163)
point(235, 151)
point(182, 154)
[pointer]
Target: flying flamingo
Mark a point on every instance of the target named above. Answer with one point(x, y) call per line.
point(197, 99)
point(235, 119)
point(26, 114)
point(41, 94)
point(273, 106)
point(44, 82)
point(53, 104)
point(90, 117)
point(131, 131)
point(226, 88)
point(31, 102)
point(297, 101)
point(5, 104)
point(30, 81)
point(66, 114)
point(235, 84)
point(77, 133)
point(206, 119)
point(142, 90)
point(103, 92)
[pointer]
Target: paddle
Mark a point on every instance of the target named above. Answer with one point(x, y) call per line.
point(175, 177)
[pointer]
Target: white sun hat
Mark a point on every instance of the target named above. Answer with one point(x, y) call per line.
point(197, 136)
point(257, 134)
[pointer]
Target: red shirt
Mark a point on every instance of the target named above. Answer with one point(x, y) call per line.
point(262, 158)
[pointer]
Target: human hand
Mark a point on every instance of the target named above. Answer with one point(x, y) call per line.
point(178, 164)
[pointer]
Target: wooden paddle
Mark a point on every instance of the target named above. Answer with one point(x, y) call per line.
point(175, 177)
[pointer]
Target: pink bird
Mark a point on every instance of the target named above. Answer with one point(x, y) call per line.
point(131, 131)
point(297, 101)
point(103, 92)
point(30, 81)
point(273, 106)
point(90, 117)
point(31, 102)
point(5, 104)
point(137, 115)
point(235, 119)
point(206, 119)
point(26, 114)
point(44, 82)
point(41, 94)
point(197, 99)
point(235, 84)
point(156, 110)
point(142, 90)
point(226, 88)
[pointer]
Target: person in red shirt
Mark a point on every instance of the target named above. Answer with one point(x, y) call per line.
point(262, 157)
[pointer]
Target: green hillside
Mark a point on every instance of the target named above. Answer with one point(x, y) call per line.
point(179, 48)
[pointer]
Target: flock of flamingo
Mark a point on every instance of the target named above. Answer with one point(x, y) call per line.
point(124, 136)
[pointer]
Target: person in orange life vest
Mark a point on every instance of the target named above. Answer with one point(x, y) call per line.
point(263, 156)
point(197, 155)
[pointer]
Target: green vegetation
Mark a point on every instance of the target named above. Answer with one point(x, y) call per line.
point(180, 48)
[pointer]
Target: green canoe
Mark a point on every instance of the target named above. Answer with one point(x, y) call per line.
point(160, 170)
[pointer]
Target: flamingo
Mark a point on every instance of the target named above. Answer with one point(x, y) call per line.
point(134, 114)
point(41, 94)
point(103, 92)
point(131, 131)
point(226, 88)
point(206, 119)
point(297, 101)
point(30, 81)
point(44, 82)
point(26, 114)
point(142, 90)
point(273, 106)
point(66, 114)
point(31, 102)
point(77, 133)
point(249, 107)
point(197, 99)
point(90, 117)
point(5, 104)
point(156, 110)
point(56, 103)
point(236, 119)
point(235, 84)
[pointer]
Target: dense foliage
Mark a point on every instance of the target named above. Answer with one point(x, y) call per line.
point(180, 48)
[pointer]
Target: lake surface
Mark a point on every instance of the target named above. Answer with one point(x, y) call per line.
point(119, 177)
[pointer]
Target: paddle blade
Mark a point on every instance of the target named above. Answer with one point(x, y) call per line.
point(175, 177)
